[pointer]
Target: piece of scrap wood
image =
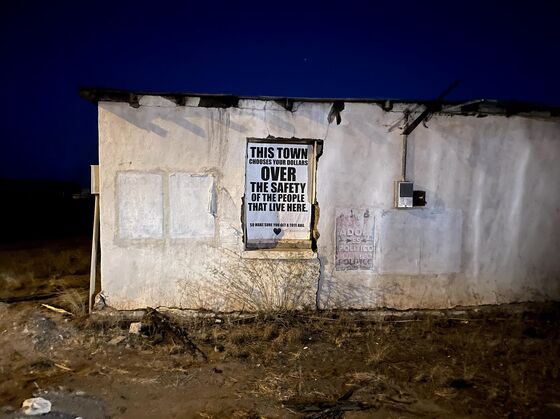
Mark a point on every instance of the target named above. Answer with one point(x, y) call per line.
point(63, 367)
point(56, 309)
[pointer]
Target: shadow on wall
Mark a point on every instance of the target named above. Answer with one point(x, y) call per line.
point(139, 119)
point(189, 126)
point(144, 118)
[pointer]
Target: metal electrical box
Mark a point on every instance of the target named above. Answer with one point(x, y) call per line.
point(419, 199)
point(404, 193)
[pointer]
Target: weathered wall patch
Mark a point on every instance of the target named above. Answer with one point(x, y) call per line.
point(354, 239)
point(191, 206)
point(419, 242)
point(139, 205)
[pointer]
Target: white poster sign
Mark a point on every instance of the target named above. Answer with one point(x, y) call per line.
point(278, 199)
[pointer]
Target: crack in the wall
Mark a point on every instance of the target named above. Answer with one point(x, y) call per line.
point(266, 120)
point(213, 205)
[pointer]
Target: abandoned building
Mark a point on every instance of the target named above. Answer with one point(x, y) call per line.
point(246, 203)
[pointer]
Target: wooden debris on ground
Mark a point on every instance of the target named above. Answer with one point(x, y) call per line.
point(57, 310)
point(161, 326)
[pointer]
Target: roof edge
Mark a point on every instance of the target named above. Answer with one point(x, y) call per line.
point(224, 100)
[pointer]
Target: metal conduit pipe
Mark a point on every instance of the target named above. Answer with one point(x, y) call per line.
point(403, 159)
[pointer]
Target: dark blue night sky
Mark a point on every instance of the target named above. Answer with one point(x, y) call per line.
point(392, 49)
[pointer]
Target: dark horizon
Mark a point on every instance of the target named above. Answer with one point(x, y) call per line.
point(409, 51)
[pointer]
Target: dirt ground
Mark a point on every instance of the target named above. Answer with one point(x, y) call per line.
point(501, 361)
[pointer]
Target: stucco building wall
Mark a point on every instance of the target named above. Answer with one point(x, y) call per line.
point(172, 181)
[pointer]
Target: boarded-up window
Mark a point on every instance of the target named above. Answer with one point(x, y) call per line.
point(140, 205)
point(279, 193)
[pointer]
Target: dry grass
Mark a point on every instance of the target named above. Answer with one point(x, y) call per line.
point(270, 332)
point(439, 375)
point(289, 336)
point(454, 363)
point(236, 284)
point(377, 352)
point(277, 386)
point(74, 301)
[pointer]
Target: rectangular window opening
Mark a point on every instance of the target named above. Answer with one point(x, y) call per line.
point(279, 202)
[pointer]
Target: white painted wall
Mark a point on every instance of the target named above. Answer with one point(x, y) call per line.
point(489, 233)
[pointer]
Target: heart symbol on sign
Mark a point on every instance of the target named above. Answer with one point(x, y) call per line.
point(277, 231)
